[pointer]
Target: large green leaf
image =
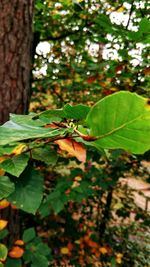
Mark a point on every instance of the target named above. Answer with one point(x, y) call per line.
point(12, 132)
point(16, 164)
point(28, 191)
point(6, 187)
point(70, 112)
point(121, 120)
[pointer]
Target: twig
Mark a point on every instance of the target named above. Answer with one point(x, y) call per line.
point(130, 13)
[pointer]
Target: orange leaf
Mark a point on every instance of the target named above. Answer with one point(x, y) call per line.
point(103, 250)
point(19, 242)
point(70, 246)
point(2, 172)
point(3, 224)
point(16, 252)
point(73, 148)
point(4, 204)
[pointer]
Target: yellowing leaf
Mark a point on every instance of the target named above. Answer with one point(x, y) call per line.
point(78, 178)
point(3, 252)
point(64, 251)
point(2, 172)
point(119, 258)
point(77, 242)
point(3, 224)
point(75, 184)
point(73, 148)
point(114, 89)
point(120, 9)
point(16, 252)
point(19, 149)
point(4, 204)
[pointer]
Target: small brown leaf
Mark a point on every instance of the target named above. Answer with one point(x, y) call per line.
point(73, 148)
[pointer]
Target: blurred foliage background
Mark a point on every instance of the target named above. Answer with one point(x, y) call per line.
point(85, 50)
point(97, 213)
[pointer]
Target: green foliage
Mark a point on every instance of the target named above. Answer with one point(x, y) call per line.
point(3, 234)
point(3, 252)
point(37, 253)
point(28, 191)
point(45, 154)
point(13, 263)
point(121, 121)
point(29, 234)
point(6, 187)
point(91, 56)
point(15, 165)
point(117, 121)
point(12, 132)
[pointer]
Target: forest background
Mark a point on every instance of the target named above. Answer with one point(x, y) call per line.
point(85, 214)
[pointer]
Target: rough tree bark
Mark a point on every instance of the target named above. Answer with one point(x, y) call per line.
point(15, 56)
point(16, 18)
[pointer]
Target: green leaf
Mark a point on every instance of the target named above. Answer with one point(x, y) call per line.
point(55, 200)
point(26, 120)
point(29, 235)
point(28, 191)
point(48, 114)
point(45, 154)
point(121, 120)
point(13, 263)
point(6, 150)
point(12, 132)
point(1, 264)
point(39, 260)
point(77, 112)
point(144, 25)
point(3, 233)
point(3, 252)
point(16, 164)
point(6, 187)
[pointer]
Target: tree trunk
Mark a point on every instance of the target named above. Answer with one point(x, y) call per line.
point(16, 18)
point(15, 56)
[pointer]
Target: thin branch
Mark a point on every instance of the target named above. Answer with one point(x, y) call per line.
point(130, 14)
